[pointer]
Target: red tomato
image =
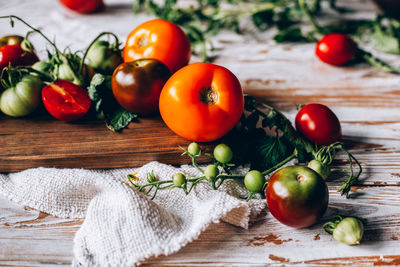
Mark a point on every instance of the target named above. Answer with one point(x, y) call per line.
point(83, 6)
point(158, 39)
point(336, 49)
point(15, 55)
point(318, 124)
point(137, 85)
point(65, 100)
point(202, 102)
point(297, 196)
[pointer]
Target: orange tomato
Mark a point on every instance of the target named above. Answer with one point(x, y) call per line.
point(158, 39)
point(201, 102)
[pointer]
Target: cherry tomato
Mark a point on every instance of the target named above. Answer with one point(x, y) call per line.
point(11, 40)
point(336, 49)
point(15, 55)
point(158, 39)
point(179, 179)
point(254, 181)
point(137, 85)
point(65, 100)
point(83, 6)
point(223, 153)
point(202, 102)
point(318, 124)
point(194, 149)
point(297, 196)
point(211, 172)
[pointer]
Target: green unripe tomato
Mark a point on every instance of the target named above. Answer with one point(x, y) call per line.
point(320, 168)
point(42, 66)
point(254, 181)
point(194, 149)
point(211, 172)
point(223, 153)
point(349, 231)
point(103, 58)
point(179, 179)
point(22, 99)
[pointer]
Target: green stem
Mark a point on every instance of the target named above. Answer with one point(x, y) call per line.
point(280, 164)
point(194, 163)
point(92, 43)
point(306, 11)
point(33, 29)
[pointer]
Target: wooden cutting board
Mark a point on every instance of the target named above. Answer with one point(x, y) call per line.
point(42, 141)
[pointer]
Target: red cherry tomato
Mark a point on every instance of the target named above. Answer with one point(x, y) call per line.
point(65, 100)
point(297, 196)
point(15, 55)
point(201, 102)
point(318, 124)
point(83, 6)
point(336, 49)
point(158, 39)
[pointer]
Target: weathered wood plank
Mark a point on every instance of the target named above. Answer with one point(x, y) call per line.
point(25, 237)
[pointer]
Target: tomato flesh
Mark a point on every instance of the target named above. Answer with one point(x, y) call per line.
point(65, 100)
point(336, 49)
point(318, 124)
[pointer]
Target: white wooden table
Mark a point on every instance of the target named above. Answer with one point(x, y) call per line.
point(366, 101)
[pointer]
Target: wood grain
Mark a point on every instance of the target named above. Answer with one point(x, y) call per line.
point(266, 242)
point(43, 141)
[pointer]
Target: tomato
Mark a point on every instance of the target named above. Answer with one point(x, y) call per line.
point(11, 40)
point(297, 196)
point(194, 149)
point(322, 169)
point(254, 181)
point(23, 98)
point(336, 49)
point(84, 7)
point(137, 85)
point(223, 153)
point(158, 39)
point(318, 124)
point(65, 100)
point(15, 55)
point(211, 172)
point(103, 57)
point(202, 102)
point(179, 179)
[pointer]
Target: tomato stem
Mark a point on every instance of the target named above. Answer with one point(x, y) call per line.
point(117, 43)
point(280, 164)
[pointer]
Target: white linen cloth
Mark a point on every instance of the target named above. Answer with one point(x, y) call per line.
point(122, 226)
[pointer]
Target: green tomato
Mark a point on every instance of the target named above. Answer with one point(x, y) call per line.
point(320, 168)
point(179, 179)
point(211, 172)
point(22, 99)
point(223, 153)
point(194, 149)
point(42, 66)
point(350, 231)
point(254, 181)
point(103, 58)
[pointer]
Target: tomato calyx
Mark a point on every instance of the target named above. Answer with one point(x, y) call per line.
point(208, 96)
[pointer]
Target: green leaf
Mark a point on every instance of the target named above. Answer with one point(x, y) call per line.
point(118, 118)
point(292, 34)
point(384, 39)
point(268, 152)
point(106, 106)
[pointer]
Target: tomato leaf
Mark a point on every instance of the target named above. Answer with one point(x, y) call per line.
point(106, 107)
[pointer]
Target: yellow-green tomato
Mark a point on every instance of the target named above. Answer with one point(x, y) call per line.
point(22, 99)
point(223, 153)
point(179, 179)
point(349, 231)
point(322, 169)
point(254, 181)
point(103, 58)
point(211, 172)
